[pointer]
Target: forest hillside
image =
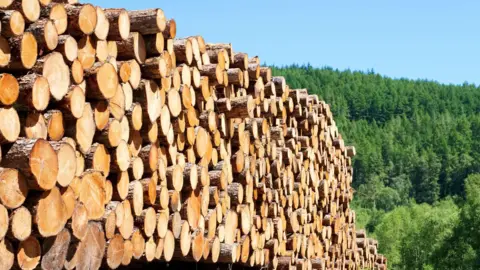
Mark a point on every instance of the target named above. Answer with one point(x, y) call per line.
point(416, 172)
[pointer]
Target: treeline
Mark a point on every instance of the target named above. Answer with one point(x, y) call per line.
point(417, 142)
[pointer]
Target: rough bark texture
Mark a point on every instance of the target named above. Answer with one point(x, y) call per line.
point(55, 250)
point(150, 21)
point(119, 23)
point(82, 19)
point(13, 23)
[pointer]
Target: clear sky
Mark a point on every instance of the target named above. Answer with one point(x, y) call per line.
point(426, 39)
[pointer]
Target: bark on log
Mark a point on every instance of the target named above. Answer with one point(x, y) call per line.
point(13, 23)
point(45, 33)
point(58, 14)
point(132, 48)
point(30, 9)
point(119, 23)
point(150, 21)
point(36, 159)
point(82, 19)
point(23, 54)
point(102, 81)
point(68, 47)
point(154, 44)
point(54, 250)
point(34, 92)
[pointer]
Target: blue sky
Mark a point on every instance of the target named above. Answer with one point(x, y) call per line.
point(437, 40)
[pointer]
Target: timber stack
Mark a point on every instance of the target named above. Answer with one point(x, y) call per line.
point(121, 143)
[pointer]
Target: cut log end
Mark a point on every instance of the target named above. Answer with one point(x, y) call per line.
point(5, 54)
point(58, 75)
point(86, 52)
point(5, 3)
point(67, 165)
point(92, 194)
point(28, 50)
point(50, 35)
point(29, 253)
point(77, 71)
point(58, 15)
point(9, 125)
point(92, 248)
point(87, 19)
point(9, 89)
point(51, 213)
point(124, 25)
point(76, 101)
point(13, 188)
point(85, 129)
point(107, 80)
point(69, 48)
point(4, 221)
point(79, 221)
point(115, 251)
point(103, 25)
point(122, 156)
point(44, 165)
point(21, 223)
point(171, 28)
point(16, 24)
point(40, 93)
point(55, 249)
point(31, 10)
point(55, 125)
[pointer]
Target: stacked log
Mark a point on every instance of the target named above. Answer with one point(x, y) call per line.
point(121, 144)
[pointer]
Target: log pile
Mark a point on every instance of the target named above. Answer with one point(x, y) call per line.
point(121, 143)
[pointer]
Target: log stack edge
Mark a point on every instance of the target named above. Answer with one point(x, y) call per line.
point(122, 143)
